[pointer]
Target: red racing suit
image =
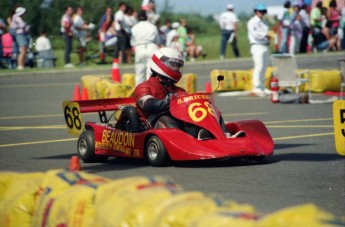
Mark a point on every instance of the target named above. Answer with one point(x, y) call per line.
point(154, 90)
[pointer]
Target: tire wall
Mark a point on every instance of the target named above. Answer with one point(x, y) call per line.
point(241, 80)
point(63, 198)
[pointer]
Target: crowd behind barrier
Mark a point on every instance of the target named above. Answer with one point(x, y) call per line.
point(300, 28)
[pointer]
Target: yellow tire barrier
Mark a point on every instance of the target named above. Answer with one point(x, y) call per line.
point(79, 199)
point(188, 82)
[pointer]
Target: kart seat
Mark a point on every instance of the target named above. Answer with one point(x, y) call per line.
point(129, 120)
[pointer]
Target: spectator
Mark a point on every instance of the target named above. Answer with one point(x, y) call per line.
point(22, 36)
point(334, 16)
point(284, 24)
point(323, 41)
point(107, 35)
point(306, 27)
point(108, 12)
point(2, 31)
point(67, 32)
point(316, 17)
point(296, 30)
point(182, 35)
point(342, 25)
point(164, 30)
point(44, 51)
point(175, 44)
point(172, 33)
point(13, 32)
point(192, 49)
point(120, 31)
point(145, 40)
point(81, 29)
point(259, 40)
point(228, 25)
point(7, 43)
point(130, 19)
point(152, 15)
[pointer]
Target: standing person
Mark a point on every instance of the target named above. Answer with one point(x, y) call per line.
point(259, 41)
point(2, 32)
point(182, 36)
point(316, 17)
point(145, 40)
point(108, 12)
point(130, 19)
point(296, 30)
point(306, 27)
point(164, 30)
point(13, 33)
point(333, 16)
point(120, 32)
point(228, 25)
point(81, 31)
point(22, 36)
point(284, 24)
point(66, 31)
point(342, 25)
point(172, 33)
point(152, 15)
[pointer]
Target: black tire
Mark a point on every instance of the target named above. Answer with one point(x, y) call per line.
point(86, 148)
point(156, 153)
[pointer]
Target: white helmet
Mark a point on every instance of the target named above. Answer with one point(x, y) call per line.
point(167, 62)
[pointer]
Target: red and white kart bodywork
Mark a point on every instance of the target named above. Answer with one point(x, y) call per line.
point(97, 141)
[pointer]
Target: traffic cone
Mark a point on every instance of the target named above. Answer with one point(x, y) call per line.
point(76, 94)
point(74, 164)
point(84, 94)
point(208, 87)
point(116, 71)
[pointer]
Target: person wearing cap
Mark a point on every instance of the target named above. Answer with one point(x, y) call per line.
point(228, 25)
point(22, 36)
point(258, 35)
point(145, 40)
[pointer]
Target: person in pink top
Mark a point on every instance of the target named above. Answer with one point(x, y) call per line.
point(333, 16)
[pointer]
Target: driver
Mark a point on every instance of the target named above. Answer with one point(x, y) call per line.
point(153, 95)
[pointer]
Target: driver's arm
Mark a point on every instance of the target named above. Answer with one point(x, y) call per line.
point(151, 105)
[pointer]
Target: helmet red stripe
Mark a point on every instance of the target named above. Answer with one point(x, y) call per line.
point(173, 74)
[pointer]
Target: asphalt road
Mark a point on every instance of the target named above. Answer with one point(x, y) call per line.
point(305, 167)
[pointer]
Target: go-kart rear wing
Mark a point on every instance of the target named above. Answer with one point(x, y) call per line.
point(73, 109)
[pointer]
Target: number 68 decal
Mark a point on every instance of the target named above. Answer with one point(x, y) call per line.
point(198, 111)
point(73, 118)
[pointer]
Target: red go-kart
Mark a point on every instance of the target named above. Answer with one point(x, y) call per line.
point(100, 140)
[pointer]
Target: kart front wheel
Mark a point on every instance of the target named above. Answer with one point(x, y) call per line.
point(86, 148)
point(156, 152)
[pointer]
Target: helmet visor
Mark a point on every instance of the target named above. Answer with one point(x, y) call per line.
point(174, 64)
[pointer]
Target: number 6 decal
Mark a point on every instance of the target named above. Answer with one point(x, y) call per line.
point(197, 112)
point(73, 118)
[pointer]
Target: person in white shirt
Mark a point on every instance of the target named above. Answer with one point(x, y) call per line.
point(120, 31)
point(42, 42)
point(44, 50)
point(81, 30)
point(258, 35)
point(172, 33)
point(145, 40)
point(228, 25)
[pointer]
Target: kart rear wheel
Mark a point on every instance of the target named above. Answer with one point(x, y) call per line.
point(86, 148)
point(156, 153)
